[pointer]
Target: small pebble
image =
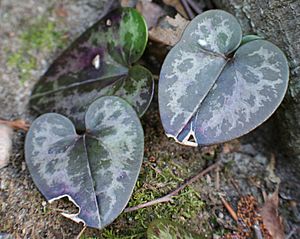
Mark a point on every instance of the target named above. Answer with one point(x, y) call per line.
point(6, 134)
point(23, 166)
point(108, 22)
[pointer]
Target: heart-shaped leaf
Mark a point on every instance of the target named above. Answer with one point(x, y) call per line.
point(98, 63)
point(164, 229)
point(97, 170)
point(206, 94)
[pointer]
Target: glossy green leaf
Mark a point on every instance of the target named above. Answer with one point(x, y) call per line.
point(96, 170)
point(248, 38)
point(98, 63)
point(164, 229)
point(208, 96)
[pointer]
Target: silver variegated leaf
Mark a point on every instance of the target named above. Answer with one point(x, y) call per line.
point(97, 170)
point(207, 96)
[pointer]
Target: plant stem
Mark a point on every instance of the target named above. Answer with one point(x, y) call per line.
point(168, 197)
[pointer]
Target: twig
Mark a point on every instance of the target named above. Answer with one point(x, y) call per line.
point(168, 197)
point(81, 232)
point(217, 183)
point(16, 124)
point(229, 209)
point(187, 8)
point(294, 230)
point(155, 169)
point(235, 185)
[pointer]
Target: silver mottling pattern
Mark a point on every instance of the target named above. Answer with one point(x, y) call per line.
point(247, 93)
point(215, 31)
point(57, 162)
point(136, 95)
point(42, 142)
point(211, 41)
point(117, 129)
point(183, 85)
point(137, 89)
point(96, 171)
point(130, 26)
point(207, 98)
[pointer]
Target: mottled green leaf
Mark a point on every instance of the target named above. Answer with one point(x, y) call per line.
point(248, 38)
point(207, 94)
point(96, 170)
point(137, 88)
point(98, 63)
point(164, 229)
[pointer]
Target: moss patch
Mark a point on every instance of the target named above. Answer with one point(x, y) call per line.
point(166, 166)
point(156, 180)
point(42, 36)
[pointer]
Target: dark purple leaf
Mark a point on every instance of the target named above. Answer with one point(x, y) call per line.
point(98, 63)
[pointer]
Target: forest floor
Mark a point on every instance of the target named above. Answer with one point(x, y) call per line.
point(33, 33)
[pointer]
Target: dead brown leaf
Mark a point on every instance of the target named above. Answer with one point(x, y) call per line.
point(177, 5)
point(16, 124)
point(128, 3)
point(271, 170)
point(60, 11)
point(169, 30)
point(152, 12)
point(271, 218)
point(231, 146)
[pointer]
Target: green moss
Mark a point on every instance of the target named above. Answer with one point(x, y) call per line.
point(155, 182)
point(41, 36)
point(24, 65)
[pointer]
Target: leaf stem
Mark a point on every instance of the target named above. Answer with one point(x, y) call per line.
point(168, 197)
